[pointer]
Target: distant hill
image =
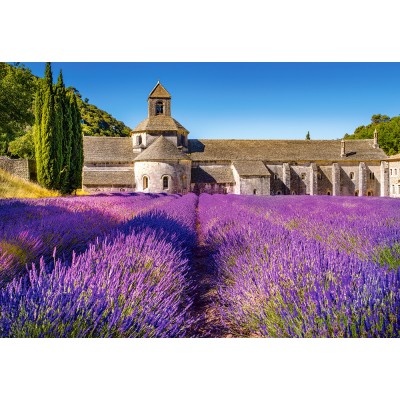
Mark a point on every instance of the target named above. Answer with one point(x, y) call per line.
point(388, 133)
point(97, 122)
point(13, 187)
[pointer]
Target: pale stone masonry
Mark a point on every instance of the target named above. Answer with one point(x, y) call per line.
point(159, 157)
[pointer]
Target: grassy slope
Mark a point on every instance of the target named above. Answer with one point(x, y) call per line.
point(11, 186)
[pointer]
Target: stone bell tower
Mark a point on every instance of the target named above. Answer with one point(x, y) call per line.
point(159, 101)
point(159, 123)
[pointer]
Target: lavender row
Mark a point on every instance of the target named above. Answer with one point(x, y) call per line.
point(278, 279)
point(133, 283)
point(31, 229)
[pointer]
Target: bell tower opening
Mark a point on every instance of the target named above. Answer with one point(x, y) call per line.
point(159, 101)
point(159, 108)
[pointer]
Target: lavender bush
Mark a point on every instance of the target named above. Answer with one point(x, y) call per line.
point(304, 267)
point(132, 283)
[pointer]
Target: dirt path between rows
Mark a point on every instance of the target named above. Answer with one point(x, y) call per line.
point(204, 309)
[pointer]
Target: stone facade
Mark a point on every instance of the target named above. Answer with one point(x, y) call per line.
point(393, 169)
point(159, 157)
point(20, 168)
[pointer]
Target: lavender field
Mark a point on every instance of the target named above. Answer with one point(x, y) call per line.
point(142, 265)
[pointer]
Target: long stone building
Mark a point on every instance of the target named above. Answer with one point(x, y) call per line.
point(159, 157)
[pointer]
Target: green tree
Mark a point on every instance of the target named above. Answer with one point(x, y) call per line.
point(308, 136)
point(23, 146)
point(17, 88)
point(65, 128)
point(76, 162)
point(388, 132)
point(48, 142)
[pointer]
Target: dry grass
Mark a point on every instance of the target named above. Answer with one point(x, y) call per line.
point(13, 187)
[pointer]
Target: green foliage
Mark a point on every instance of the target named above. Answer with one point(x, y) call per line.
point(17, 88)
point(96, 122)
point(23, 146)
point(76, 162)
point(388, 133)
point(389, 256)
point(308, 137)
point(47, 133)
point(65, 127)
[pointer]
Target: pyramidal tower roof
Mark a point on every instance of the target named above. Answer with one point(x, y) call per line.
point(161, 149)
point(159, 92)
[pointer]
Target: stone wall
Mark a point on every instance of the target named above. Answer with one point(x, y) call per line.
point(212, 188)
point(18, 167)
point(277, 185)
point(178, 173)
point(394, 178)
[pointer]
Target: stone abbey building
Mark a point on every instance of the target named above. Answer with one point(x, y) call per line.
point(159, 157)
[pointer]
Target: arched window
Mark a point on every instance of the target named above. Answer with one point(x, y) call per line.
point(275, 177)
point(145, 182)
point(328, 193)
point(159, 108)
point(184, 182)
point(254, 191)
point(370, 193)
point(278, 192)
point(351, 175)
point(293, 192)
point(165, 182)
point(356, 193)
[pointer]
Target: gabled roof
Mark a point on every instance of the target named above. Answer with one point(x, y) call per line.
point(283, 150)
point(251, 168)
point(159, 92)
point(162, 149)
point(159, 123)
point(212, 174)
point(107, 149)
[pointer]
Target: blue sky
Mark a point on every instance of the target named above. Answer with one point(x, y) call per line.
point(243, 100)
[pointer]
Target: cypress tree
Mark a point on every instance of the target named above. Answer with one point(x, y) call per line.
point(37, 138)
point(76, 162)
point(64, 126)
point(51, 154)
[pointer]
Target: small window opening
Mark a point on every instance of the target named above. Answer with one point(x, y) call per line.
point(139, 140)
point(254, 191)
point(328, 193)
point(370, 193)
point(356, 193)
point(293, 192)
point(278, 192)
point(351, 175)
point(391, 172)
point(319, 176)
point(275, 177)
point(159, 108)
point(145, 182)
point(303, 176)
point(371, 176)
point(165, 182)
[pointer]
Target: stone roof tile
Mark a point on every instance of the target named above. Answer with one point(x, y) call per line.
point(282, 150)
point(159, 123)
point(159, 92)
point(212, 174)
point(161, 149)
point(108, 149)
point(251, 168)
